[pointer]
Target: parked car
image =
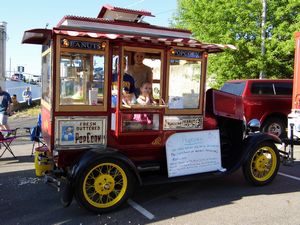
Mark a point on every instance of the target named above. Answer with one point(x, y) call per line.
point(269, 101)
point(35, 79)
point(17, 77)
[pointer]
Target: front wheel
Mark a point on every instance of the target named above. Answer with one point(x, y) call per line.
point(262, 164)
point(104, 185)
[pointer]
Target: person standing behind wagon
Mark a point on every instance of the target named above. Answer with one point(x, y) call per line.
point(27, 96)
point(140, 72)
point(5, 102)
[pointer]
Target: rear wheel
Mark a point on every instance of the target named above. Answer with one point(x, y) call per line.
point(275, 126)
point(262, 164)
point(104, 185)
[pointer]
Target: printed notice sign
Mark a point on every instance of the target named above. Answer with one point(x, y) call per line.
point(193, 152)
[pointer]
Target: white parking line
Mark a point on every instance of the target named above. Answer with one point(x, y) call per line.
point(142, 210)
point(289, 176)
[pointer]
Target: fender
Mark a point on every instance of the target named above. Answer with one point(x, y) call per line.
point(249, 143)
point(87, 158)
point(256, 138)
point(97, 153)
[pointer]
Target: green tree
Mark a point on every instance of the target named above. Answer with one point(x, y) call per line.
point(238, 22)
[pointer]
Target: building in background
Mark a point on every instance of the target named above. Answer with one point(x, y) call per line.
point(3, 38)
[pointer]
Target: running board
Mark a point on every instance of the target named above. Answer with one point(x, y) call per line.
point(147, 168)
point(160, 179)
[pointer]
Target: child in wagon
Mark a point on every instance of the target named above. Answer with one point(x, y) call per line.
point(145, 98)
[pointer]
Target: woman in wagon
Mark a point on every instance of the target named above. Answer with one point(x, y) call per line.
point(139, 71)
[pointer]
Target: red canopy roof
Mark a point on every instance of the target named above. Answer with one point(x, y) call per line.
point(106, 9)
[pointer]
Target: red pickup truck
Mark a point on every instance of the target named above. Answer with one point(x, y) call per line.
point(269, 101)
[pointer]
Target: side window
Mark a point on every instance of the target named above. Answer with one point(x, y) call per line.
point(140, 121)
point(81, 74)
point(262, 89)
point(81, 79)
point(283, 88)
point(185, 81)
point(188, 73)
point(46, 77)
point(141, 77)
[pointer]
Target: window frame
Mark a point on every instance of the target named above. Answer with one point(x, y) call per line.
point(202, 60)
point(162, 58)
point(59, 52)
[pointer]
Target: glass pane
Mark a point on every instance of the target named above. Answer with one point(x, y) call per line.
point(114, 85)
point(144, 67)
point(156, 90)
point(81, 79)
point(262, 89)
point(236, 88)
point(46, 77)
point(97, 84)
point(140, 121)
point(284, 88)
point(155, 65)
point(184, 84)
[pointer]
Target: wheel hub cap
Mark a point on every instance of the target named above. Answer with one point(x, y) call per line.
point(261, 163)
point(104, 184)
point(275, 129)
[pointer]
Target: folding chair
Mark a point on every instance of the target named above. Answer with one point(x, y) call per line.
point(36, 134)
point(6, 141)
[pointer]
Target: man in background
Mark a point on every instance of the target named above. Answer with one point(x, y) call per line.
point(15, 105)
point(5, 102)
point(27, 96)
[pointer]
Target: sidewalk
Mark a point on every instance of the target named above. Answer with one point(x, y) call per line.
point(21, 147)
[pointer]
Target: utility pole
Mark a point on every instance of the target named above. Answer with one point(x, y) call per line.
point(3, 38)
point(262, 73)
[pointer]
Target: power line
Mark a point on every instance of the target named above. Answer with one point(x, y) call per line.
point(135, 3)
point(166, 11)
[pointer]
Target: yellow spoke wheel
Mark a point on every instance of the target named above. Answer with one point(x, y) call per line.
point(104, 185)
point(262, 164)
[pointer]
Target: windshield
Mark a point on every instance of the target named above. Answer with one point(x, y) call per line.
point(235, 88)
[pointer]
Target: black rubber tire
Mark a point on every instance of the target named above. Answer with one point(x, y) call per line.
point(66, 194)
point(277, 123)
point(82, 194)
point(257, 161)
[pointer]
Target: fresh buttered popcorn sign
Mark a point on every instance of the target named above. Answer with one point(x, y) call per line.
point(81, 131)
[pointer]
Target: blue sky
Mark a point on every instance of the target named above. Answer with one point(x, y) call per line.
point(30, 14)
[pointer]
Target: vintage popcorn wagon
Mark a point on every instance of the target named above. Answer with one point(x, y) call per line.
point(103, 145)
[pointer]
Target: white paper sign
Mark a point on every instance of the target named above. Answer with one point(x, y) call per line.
point(193, 152)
